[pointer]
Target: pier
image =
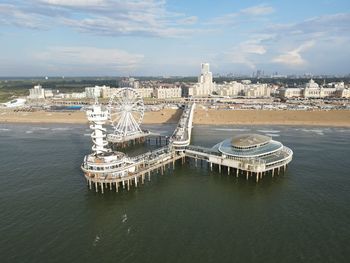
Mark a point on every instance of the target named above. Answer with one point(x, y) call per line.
point(248, 155)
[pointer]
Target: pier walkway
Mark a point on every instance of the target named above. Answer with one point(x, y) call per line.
point(249, 155)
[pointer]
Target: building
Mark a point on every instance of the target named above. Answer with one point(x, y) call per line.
point(48, 93)
point(37, 92)
point(312, 90)
point(96, 92)
point(167, 91)
point(145, 92)
point(205, 85)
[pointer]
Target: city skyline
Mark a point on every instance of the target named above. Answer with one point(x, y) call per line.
point(149, 37)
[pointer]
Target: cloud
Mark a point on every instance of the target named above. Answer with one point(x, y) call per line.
point(293, 57)
point(10, 15)
point(89, 57)
point(258, 10)
point(250, 12)
point(101, 17)
point(245, 53)
point(325, 25)
point(74, 2)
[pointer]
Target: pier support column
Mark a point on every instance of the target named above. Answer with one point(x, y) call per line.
point(219, 168)
point(96, 187)
point(110, 186)
point(128, 184)
point(211, 166)
point(143, 178)
point(149, 176)
point(195, 162)
point(273, 172)
point(278, 171)
point(135, 181)
point(116, 186)
point(257, 177)
point(102, 188)
point(123, 183)
point(228, 170)
point(247, 175)
point(90, 186)
point(173, 164)
point(237, 172)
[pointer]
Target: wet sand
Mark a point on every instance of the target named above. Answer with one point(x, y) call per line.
point(340, 118)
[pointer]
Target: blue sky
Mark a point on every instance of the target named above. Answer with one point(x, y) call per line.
point(172, 37)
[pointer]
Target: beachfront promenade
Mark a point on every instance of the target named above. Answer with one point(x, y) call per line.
point(250, 155)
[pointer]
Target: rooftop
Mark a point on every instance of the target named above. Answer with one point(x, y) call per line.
point(249, 140)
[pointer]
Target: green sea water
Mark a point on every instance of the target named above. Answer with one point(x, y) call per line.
point(187, 215)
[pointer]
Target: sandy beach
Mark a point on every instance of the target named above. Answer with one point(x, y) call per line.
point(340, 118)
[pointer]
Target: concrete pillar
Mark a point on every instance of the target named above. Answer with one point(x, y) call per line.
point(123, 182)
point(96, 187)
point(247, 175)
point(102, 188)
point(116, 186)
point(228, 170)
point(143, 178)
point(195, 162)
point(128, 184)
point(110, 186)
point(135, 181)
point(219, 168)
point(237, 172)
point(257, 177)
point(90, 186)
point(174, 164)
point(211, 166)
point(273, 171)
point(149, 175)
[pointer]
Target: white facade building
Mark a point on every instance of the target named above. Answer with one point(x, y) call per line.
point(205, 85)
point(95, 92)
point(37, 92)
point(145, 92)
point(313, 90)
point(162, 92)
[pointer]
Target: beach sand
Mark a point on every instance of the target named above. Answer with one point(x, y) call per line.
point(10, 116)
point(340, 118)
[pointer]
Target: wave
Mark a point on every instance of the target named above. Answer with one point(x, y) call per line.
point(60, 129)
point(269, 131)
point(5, 129)
point(230, 129)
point(317, 131)
point(40, 129)
point(124, 218)
point(28, 132)
point(272, 134)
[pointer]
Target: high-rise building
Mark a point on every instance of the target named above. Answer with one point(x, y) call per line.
point(205, 85)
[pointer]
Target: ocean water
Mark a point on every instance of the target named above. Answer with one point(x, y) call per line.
point(189, 215)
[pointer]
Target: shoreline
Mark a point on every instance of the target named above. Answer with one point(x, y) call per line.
point(336, 118)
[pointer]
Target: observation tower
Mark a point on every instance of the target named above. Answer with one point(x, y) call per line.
point(103, 163)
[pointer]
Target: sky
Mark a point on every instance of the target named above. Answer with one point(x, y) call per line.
point(172, 37)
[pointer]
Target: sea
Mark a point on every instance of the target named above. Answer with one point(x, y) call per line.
point(48, 214)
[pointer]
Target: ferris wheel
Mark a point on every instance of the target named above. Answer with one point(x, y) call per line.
point(126, 110)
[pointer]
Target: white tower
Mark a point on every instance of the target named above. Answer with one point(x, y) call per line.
point(97, 118)
point(205, 80)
